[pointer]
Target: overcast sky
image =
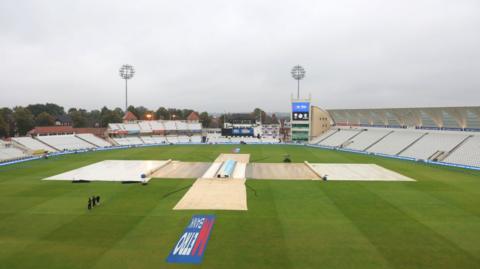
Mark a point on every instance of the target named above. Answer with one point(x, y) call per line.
point(237, 55)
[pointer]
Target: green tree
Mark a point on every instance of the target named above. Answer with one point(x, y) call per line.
point(259, 114)
point(132, 109)
point(162, 113)
point(44, 119)
point(205, 119)
point(7, 115)
point(94, 118)
point(23, 120)
point(140, 111)
point(79, 117)
point(4, 128)
point(52, 109)
point(110, 116)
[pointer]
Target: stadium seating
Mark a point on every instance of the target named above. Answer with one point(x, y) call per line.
point(340, 137)
point(433, 142)
point(157, 126)
point(127, 141)
point(269, 140)
point(132, 128)
point(217, 138)
point(145, 127)
point(395, 142)
point(459, 147)
point(181, 126)
point(468, 153)
point(65, 142)
point(32, 144)
point(115, 127)
point(196, 139)
point(195, 126)
point(367, 138)
point(172, 139)
point(183, 139)
point(148, 140)
point(95, 140)
point(323, 136)
point(11, 153)
point(159, 139)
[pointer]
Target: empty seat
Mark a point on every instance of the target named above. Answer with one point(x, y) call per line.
point(65, 142)
point(340, 137)
point(433, 142)
point(468, 153)
point(11, 153)
point(93, 139)
point(366, 138)
point(32, 144)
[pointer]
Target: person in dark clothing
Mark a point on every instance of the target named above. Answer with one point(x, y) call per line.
point(98, 199)
point(93, 201)
point(89, 203)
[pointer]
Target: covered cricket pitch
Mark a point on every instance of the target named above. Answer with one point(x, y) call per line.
point(431, 222)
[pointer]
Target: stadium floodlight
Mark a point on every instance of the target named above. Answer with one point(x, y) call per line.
point(126, 72)
point(298, 73)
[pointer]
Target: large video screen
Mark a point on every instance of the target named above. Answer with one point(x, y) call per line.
point(242, 132)
point(301, 107)
point(237, 132)
point(300, 111)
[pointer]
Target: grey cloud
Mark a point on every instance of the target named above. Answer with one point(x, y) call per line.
point(236, 55)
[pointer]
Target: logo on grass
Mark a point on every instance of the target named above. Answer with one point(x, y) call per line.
point(191, 245)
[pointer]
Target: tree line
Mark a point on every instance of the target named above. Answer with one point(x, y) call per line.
point(17, 121)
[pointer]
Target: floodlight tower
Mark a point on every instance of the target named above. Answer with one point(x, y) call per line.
point(126, 72)
point(298, 73)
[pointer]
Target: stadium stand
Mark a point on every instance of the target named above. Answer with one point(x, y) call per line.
point(324, 136)
point(270, 140)
point(457, 147)
point(147, 140)
point(367, 138)
point(145, 127)
point(468, 153)
point(170, 127)
point(195, 127)
point(159, 139)
point(196, 139)
point(172, 139)
point(434, 145)
point(32, 144)
point(183, 139)
point(131, 128)
point(157, 127)
point(339, 138)
point(95, 140)
point(128, 141)
point(395, 142)
point(11, 153)
point(181, 126)
point(65, 142)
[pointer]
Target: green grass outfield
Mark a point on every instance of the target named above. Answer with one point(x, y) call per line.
point(431, 223)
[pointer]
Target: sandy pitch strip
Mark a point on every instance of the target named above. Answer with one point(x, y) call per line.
point(209, 192)
point(361, 172)
point(176, 169)
point(215, 194)
point(287, 171)
point(241, 158)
